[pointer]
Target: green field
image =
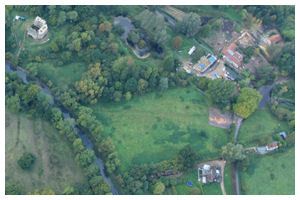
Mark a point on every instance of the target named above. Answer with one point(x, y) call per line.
point(268, 174)
point(271, 174)
point(259, 127)
point(54, 167)
point(153, 128)
point(227, 179)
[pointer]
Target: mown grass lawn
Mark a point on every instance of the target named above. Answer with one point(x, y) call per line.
point(153, 128)
point(259, 127)
point(54, 167)
point(271, 174)
point(227, 179)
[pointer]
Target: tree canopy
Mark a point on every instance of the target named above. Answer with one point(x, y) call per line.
point(222, 92)
point(233, 152)
point(154, 25)
point(190, 24)
point(247, 102)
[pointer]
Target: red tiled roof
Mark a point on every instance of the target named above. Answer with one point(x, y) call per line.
point(272, 145)
point(233, 55)
point(275, 38)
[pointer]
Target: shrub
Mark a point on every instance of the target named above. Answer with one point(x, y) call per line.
point(26, 161)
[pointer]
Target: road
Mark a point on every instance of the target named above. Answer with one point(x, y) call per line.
point(236, 181)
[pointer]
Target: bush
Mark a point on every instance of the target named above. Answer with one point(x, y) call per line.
point(26, 161)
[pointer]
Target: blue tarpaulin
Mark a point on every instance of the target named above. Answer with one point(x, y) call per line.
point(189, 183)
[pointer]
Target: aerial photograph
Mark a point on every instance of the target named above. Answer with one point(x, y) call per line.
point(149, 100)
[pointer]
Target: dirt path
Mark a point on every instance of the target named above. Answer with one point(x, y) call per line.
point(18, 131)
point(220, 163)
point(236, 178)
point(237, 128)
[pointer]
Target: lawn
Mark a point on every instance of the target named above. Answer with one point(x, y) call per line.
point(259, 127)
point(271, 174)
point(63, 75)
point(153, 128)
point(228, 178)
point(196, 188)
point(54, 167)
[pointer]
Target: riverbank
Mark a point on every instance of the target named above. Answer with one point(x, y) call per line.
point(23, 74)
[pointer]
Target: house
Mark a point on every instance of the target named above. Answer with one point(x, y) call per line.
point(272, 146)
point(39, 29)
point(209, 174)
point(232, 56)
point(204, 63)
point(191, 51)
point(273, 39)
point(246, 39)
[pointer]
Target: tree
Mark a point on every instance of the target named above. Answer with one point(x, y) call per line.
point(133, 37)
point(154, 25)
point(177, 42)
point(190, 24)
point(72, 16)
point(198, 53)
point(12, 189)
point(85, 158)
point(163, 83)
point(69, 190)
point(142, 86)
point(187, 157)
point(117, 96)
point(31, 94)
point(233, 152)
point(168, 63)
point(247, 102)
point(44, 191)
point(128, 96)
point(222, 92)
point(78, 146)
point(26, 161)
point(91, 84)
point(13, 102)
point(265, 74)
point(131, 85)
point(76, 44)
point(106, 147)
point(159, 188)
point(105, 27)
point(61, 18)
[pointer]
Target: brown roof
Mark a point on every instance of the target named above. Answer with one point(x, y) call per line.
point(275, 38)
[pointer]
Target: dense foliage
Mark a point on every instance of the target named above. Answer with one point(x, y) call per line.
point(247, 102)
point(26, 161)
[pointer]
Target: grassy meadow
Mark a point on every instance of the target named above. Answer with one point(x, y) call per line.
point(270, 175)
point(155, 127)
point(54, 167)
point(259, 127)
